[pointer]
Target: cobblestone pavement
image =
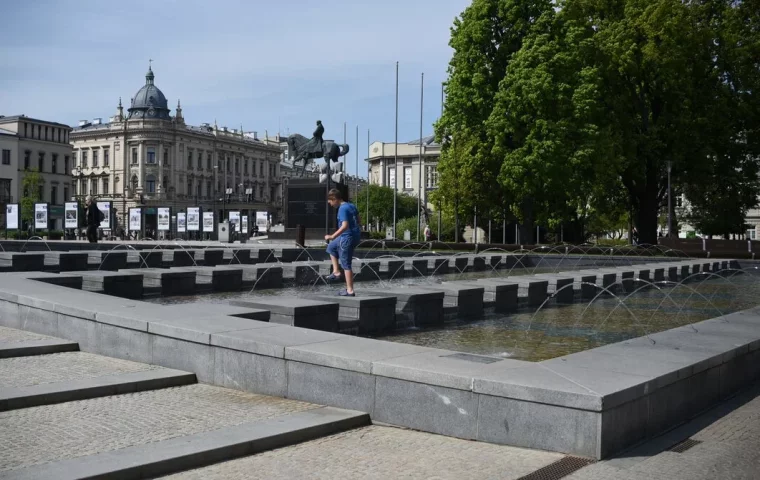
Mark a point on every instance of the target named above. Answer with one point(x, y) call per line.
point(378, 452)
point(42, 434)
point(8, 335)
point(730, 450)
point(60, 367)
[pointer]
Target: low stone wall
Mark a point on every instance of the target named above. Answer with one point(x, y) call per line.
point(593, 403)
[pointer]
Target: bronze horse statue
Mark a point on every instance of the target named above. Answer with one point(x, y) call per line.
point(302, 149)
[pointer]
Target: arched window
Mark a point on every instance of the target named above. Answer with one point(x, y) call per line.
point(189, 186)
point(150, 184)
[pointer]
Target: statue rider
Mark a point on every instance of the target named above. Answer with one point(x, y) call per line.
point(317, 138)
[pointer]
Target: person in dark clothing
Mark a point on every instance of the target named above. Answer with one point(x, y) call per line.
point(94, 216)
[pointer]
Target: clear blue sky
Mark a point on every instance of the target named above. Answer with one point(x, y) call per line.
point(266, 65)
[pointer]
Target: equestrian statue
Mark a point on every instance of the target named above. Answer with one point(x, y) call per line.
point(306, 150)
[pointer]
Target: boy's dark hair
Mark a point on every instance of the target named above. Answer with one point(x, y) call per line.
point(334, 194)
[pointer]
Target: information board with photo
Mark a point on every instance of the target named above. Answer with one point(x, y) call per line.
point(41, 216)
point(105, 208)
point(208, 221)
point(181, 222)
point(11, 216)
point(261, 221)
point(164, 218)
point(193, 219)
point(71, 215)
point(135, 219)
point(244, 223)
point(234, 218)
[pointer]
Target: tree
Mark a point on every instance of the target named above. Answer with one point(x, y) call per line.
point(381, 205)
point(30, 186)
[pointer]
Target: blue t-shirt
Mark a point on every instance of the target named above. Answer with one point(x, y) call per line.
point(347, 212)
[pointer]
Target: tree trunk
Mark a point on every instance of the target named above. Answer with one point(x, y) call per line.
point(527, 226)
point(646, 220)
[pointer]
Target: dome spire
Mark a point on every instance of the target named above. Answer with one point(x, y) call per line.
point(149, 76)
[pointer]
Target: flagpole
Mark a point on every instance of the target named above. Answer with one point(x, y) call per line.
point(395, 161)
point(419, 173)
point(368, 182)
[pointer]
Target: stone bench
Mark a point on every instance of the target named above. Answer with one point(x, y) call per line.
point(364, 315)
point(209, 257)
point(391, 269)
point(366, 270)
point(66, 261)
point(438, 265)
point(560, 287)
point(604, 279)
point(416, 267)
point(22, 262)
point(118, 284)
point(531, 292)
point(151, 258)
point(180, 257)
point(478, 263)
point(262, 276)
point(304, 273)
point(237, 256)
point(501, 295)
point(417, 306)
point(167, 281)
point(107, 260)
point(298, 312)
point(459, 264)
point(219, 279)
point(468, 299)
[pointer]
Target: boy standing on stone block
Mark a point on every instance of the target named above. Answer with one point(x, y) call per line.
point(344, 240)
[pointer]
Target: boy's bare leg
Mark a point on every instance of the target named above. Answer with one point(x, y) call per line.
point(349, 281)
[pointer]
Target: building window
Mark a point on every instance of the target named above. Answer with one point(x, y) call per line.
point(27, 159)
point(66, 165)
point(189, 159)
point(261, 169)
point(151, 156)
point(105, 186)
point(41, 193)
point(165, 184)
point(189, 187)
point(106, 158)
point(59, 135)
point(237, 166)
point(134, 183)
point(5, 191)
point(199, 189)
point(46, 133)
point(94, 158)
point(245, 166)
point(93, 186)
point(200, 161)
point(391, 177)
point(208, 189)
point(6, 157)
point(166, 157)
point(66, 194)
point(134, 156)
point(408, 178)
point(54, 161)
point(41, 162)
point(208, 161)
point(431, 176)
point(26, 131)
point(84, 158)
point(228, 164)
point(54, 195)
point(150, 184)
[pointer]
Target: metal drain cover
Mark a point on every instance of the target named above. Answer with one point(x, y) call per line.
point(468, 357)
point(685, 445)
point(559, 469)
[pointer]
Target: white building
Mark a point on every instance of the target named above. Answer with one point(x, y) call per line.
point(406, 174)
point(31, 144)
point(149, 158)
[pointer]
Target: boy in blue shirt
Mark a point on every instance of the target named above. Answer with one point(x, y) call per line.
point(344, 240)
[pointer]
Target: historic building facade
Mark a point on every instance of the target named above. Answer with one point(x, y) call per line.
point(146, 157)
point(30, 144)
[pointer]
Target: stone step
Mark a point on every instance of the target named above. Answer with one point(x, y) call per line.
point(18, 343)
point(64, 377)
point(147, 434)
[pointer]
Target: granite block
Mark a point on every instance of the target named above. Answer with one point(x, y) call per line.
point(331, 386)
point(269, 339)
point(250, 372)
point(199, 329)
point(185, 356)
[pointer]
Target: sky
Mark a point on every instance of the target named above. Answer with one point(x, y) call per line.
point(268, 66)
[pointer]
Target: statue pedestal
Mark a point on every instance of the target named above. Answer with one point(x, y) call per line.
point(307, 201)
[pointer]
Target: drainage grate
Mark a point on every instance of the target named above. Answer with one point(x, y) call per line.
point(685, 445)
point(559, 469)
point(468, 357)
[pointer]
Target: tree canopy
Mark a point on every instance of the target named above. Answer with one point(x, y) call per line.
point(560, 110)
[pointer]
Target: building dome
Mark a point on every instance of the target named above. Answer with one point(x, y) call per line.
point(149, 101)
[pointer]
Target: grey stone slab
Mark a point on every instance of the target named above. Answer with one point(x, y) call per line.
point(199, 329)
point(373, 313)
point(430, 408)
point(36, 347)
point(535, 383)
point(186, 356)
point(560, 287)
point(134, 317)
point(289, 305)
point(186, 452)
point(22, 262)
point(503, 295)
point(263, 275)
point(459, 264)
point(467, 298)
point(209, 257)
point(443, 368)
point(350, 353)
point(424, 306)
point(695, 359)
point(85, 332)
point(270, 340)
point(38, 320)
point(122, 343)
point(392, 268)
point(170, 281)
point(250, 372)
point(534, 425)
point(331, 386)
point(12, 398)
point(67, 261)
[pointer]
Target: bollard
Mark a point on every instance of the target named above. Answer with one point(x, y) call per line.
point(301, 236)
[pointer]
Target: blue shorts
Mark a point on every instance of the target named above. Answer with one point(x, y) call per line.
point(343, 248)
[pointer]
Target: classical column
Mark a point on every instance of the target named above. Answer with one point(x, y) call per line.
point(141, 165)
point(160, 179)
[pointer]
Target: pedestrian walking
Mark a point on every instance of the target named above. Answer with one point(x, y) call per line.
point(344, 240)
point(94, 216)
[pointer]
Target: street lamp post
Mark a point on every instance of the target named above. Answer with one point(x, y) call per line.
point(670, 201)
point(216, 192)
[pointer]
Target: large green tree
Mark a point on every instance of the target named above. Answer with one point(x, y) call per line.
point(381, 205)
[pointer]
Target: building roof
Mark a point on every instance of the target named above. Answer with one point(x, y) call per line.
point(7, 132)
point(149, 101)
point(428, 141)
point(22, 118)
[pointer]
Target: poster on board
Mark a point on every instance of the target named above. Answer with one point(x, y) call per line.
point(234, 219)
point(261, 221)
point(208, 222)
point(193, 219)
point(11, 216)
point(105, 209)
point(135, 219)
point(181, 225)
point(164, 218)
point(41, 216)
point(71, 215)
point(244, 223)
